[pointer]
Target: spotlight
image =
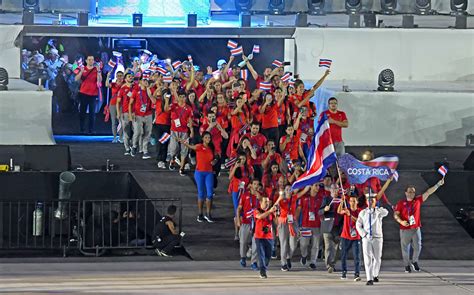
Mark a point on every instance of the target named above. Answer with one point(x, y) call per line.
point(3, 79)
point(316, 7)
point(423, 7)
point(386, 80)
point(276, 6)
point(353, 6)
point(388, 6)
point(31, 5)
point(458, 7)
point(243, 5)
point(137, 19)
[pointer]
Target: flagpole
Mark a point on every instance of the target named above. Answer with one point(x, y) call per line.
point(342, 188)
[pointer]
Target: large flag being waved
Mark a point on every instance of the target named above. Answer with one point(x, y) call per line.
point(358, 171)
point(320, 157)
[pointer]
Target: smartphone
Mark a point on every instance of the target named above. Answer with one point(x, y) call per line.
point(287, 63)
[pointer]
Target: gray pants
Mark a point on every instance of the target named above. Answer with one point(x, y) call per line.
point(174, 146)
point(246, 237)
point(141, 131)
point(331, 244)
point(340, 148)
point(314, 240)
point(288, 243)
point(410, 237)
point(114, 121)
point(127, 131)
point(372, 249)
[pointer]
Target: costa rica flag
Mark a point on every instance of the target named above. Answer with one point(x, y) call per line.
point(326, 63)
point(237, 51)
point(112, 63)
point(162, 70)
point(276, 63)
point(164, 138)
point(286, 77)
point(306, 233)
point(231, 44)
point(167, 79)
point(256, 49)
point(244, 74)
point(176, 64)
point(443, 170)
point(266, 86)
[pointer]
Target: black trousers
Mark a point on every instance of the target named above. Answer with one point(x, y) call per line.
point(161, 149)
point(87, 102)
point(168, 243)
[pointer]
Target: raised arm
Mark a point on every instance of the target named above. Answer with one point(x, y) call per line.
point(432, 189)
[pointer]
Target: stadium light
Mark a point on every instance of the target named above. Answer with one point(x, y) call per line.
point(316, 7)
point(353, 6)
point(386, 80)
point(423, 7)
point(458, 7)
point(388, 6)
point(243, 5)
point(276, 6)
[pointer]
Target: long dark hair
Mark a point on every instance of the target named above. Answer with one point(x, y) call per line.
point(211, 144)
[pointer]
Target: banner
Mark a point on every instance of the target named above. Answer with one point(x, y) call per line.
point(357, 172)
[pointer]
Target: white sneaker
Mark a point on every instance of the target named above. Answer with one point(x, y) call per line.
point(187, 166)
point(177, 161)
point(161, 165)
point(193, 160)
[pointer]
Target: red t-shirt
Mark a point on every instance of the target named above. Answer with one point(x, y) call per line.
point(336, 131)
point(246, 172)
point(282, 112)
point(288, 206)
point(248, 203)
point(89, 82)
point(216, 136)
point(270, 117)
point(115, 87)
point(350, 224)
point(204, 157)
point(161, 117)
point(256, 116)
point(238, 121)
point(261, 223)
point(292, 147)
point(180, 115)
point(276, 157)
point(309, 210)
point(410, 208)
point(125, 94)
point(141, 103)
point(258, 143)
point(295, 98)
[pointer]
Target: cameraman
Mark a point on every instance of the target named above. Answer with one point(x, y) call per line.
point(166, 235)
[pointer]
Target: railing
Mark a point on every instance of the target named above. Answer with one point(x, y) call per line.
point(90, 226)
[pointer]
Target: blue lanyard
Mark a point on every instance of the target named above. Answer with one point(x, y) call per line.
point(141, 97)
point(410, 209)
point(370, 221)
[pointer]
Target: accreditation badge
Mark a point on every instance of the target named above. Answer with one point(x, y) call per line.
point(312, 216)
point(143, 108)
point(290, 218)
point(353, 233)
point(177, 123)
point(411, 220)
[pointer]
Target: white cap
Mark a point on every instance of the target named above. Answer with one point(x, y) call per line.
point(146, 51)
point(54, 51)
point(220, 63)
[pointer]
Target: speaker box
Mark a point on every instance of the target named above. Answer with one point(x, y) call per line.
point(461, 22)
point(191, 20)
point(83, 19)
point(245, 20)
point(370, 20)
point(301, 20)
point(469, 163)
point(408, 21)
point(354, 20)
point(47, 158)
point(28, 17)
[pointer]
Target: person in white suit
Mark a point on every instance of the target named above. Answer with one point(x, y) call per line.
point(369, 227)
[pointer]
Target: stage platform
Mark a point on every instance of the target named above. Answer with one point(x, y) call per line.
point(224, 277)
point(25, 115)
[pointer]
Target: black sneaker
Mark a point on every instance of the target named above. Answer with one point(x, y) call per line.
point(408, 269)
point(415, 266)
point(127, 153)
point(133, 152)
point(376, 279)
point(200, 218)
point(274, 254)
point(284, 268)
point(263, 275)
point(312, 266)
point(171, 166)
point(370, 283)
point(181, 172)
point(288, 262)
point(344, 275)
point(303, 261)
point(356, 277)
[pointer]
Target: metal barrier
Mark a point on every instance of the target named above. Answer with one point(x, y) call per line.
point(90, 226)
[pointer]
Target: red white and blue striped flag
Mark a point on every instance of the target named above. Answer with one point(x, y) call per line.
point(320, 156)
point(276, 63)
point(244, 74)
point(244, 128)
point(231, 44)
point(390, 161)
point(323, 62)
point(256, 49)
point(249, 214)
point(112, 63)
point(176, 64)
point(237, 51)
point(162, 70)
point(286, 77)
point(266, 86)
point(306, 233)
point(231, 162)
point(167, 79)
point(443, 170)
point(164, 138)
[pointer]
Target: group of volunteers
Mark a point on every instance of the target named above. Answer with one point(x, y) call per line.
point(212, 119)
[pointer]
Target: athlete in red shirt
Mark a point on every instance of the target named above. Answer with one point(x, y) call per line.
point(264, 234)
point(337, 120)
point(407, 214)
point(123, 99)
point(115, 87)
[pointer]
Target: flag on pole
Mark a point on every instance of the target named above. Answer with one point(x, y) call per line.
point(231, 44)
point(244, 128)
point(276, 63)
point(443, 170)
point(167, 79)
point(176, 64)
point(265, 86)
point(320, 156)
point(162, 70)
point(112, 63)
point(244, 74)
point(231, 162)
point(326, 63)
point(164, 138)
point(237, 51)
point(390, 161)
point(256, 49)
point(286, 77)
point(291, 82)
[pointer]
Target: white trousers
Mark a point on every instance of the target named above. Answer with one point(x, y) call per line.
point(372, 249)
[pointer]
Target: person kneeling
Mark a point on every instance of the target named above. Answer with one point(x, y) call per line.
point(166, 235)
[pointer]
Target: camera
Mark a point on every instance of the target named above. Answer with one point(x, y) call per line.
point(213, 120)
point(266, 229)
